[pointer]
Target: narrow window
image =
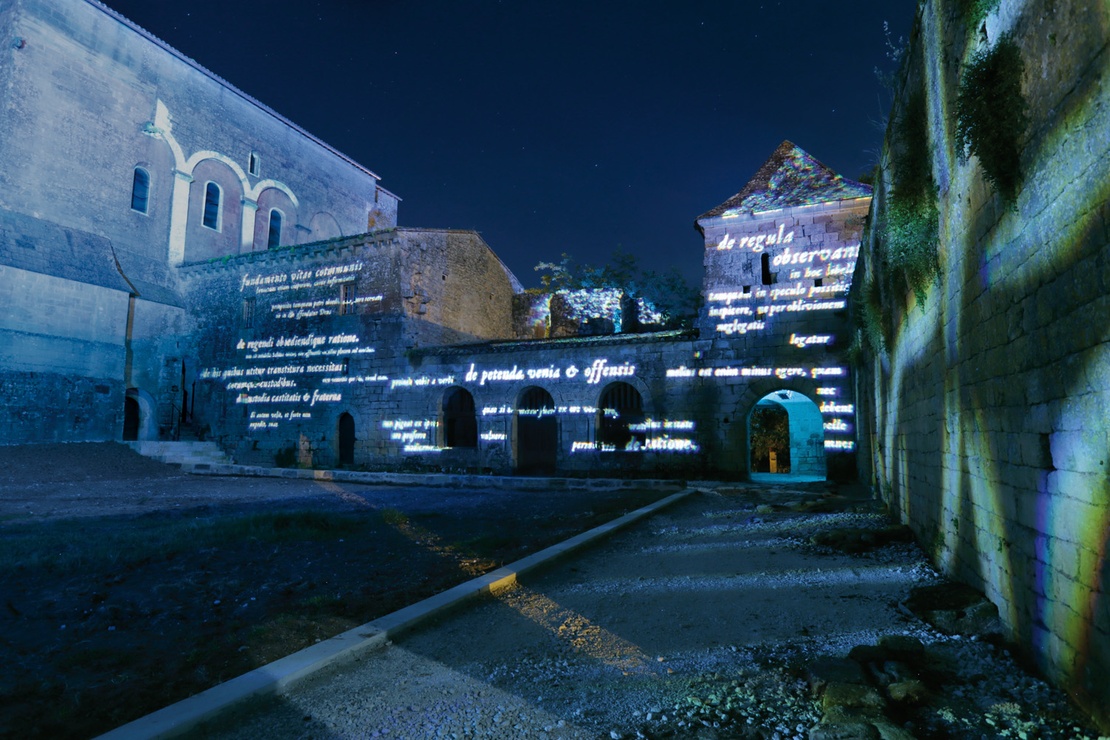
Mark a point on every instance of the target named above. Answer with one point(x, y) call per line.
point(346, 298)
point(274, 240)
point(252, 164)
point(765, 261)
point(212, 206)
point(140, 190)
point(248, 313)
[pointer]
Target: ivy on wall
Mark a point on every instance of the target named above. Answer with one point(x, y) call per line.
point(976, 10)
point(909, 224)
point(992, 115)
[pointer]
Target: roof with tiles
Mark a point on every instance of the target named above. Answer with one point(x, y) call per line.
point(789, 178)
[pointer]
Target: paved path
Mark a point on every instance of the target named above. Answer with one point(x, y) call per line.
point(631, 636)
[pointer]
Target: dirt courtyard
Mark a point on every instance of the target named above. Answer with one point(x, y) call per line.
point(129, 585)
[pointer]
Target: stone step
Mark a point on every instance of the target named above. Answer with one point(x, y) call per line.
point(185, 453)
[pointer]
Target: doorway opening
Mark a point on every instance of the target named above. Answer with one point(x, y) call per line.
point(132, 418)
point(786, 435)
point(346, 439)
point(536, 432)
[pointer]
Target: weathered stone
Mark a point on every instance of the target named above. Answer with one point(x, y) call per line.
point(823, 671)
point(844, 731)
point(903, 647)
point(910, 691)
point(851, 695)
point(891, 731)
point(865, 654)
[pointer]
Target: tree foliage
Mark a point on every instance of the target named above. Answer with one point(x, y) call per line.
point(770, 432)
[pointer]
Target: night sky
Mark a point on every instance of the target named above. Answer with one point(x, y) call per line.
point(558, 126)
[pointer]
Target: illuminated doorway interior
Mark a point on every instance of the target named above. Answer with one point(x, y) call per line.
point(536, 432)
point(786, 435)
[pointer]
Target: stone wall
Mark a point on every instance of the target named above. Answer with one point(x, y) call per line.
point(90, 97)
point(88, 100)
point(290, 340)
point(776, 288)
point(989, 401)
point(62, 351)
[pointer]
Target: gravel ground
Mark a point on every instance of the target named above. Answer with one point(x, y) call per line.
point(701, 622)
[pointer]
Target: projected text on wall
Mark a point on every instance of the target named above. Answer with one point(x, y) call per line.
point(283, 370)
point(794, 282)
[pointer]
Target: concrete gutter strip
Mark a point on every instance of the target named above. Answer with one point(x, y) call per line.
point(470, 480)
point(280, 675)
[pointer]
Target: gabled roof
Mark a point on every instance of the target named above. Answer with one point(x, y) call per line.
point(789, 178)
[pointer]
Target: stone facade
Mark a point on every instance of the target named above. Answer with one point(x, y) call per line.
point(989, 401)
point(110, 142)
point(181, 259)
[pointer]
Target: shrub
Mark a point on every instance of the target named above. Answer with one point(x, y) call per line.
point(911, 231)
point(991, 115)
point(976, 10)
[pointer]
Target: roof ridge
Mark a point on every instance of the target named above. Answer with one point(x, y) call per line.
point(790, 177)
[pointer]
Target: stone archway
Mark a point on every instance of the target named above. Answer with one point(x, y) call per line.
point(139, 419)
point(788, 424)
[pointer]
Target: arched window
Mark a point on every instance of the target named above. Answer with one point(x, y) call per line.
point(212, 206)
point(274, 239)
point(460, 425)
point(620, 406)
point(140, 190)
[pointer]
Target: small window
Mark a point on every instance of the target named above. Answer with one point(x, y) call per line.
point(252, 164)
point(765, 261)
point(346, 298)
point(818, 282)
point(274, 240)
point(212, 206)
point(140, 190)
point(248, 313)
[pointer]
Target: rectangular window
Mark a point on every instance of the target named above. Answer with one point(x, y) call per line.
point(252, 164)
point(346, 298)
point(248, 313)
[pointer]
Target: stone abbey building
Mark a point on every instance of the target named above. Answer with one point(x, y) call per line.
point(178, 260)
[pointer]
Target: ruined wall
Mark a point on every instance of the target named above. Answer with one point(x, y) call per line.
point(454, 288)
point(990, 398)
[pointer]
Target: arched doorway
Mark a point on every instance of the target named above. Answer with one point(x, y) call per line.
point(132, 418)
point(786, 434)
point(460, 424)
point(536, 432)
point(619, 406)
point(346, 439)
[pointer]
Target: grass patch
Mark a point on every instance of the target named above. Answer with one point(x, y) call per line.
point(394, 517)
